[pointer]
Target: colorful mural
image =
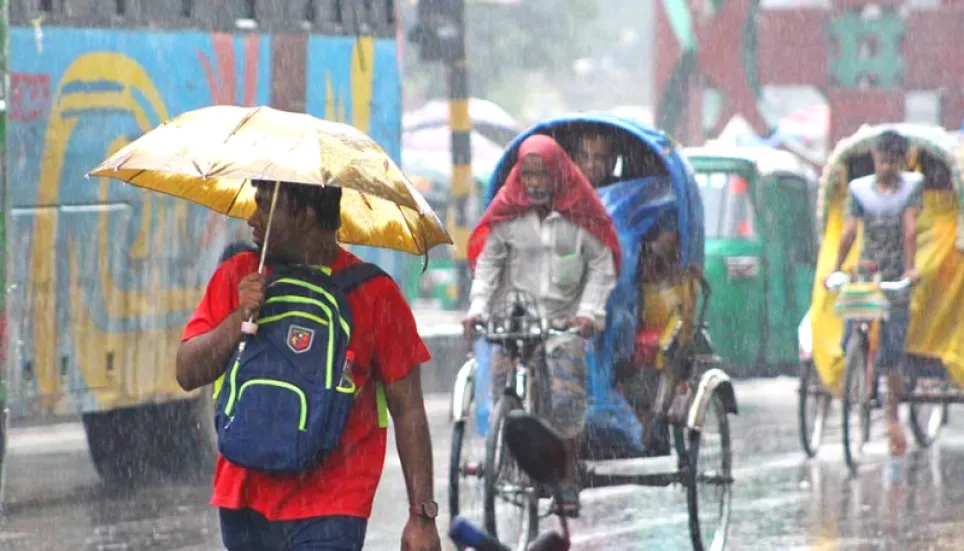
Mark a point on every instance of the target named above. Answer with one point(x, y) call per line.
point(103, 275)
point(864, 56)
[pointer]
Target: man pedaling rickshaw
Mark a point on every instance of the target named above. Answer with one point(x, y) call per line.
point(887, 204)
point(547, 233)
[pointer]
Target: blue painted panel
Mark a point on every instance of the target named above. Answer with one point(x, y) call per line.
point(105, 269)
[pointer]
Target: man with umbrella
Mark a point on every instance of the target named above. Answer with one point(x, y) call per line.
point(326, 508)
point(244, 163)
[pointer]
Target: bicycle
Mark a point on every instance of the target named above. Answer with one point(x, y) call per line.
point(522, 335)
point(861, 393)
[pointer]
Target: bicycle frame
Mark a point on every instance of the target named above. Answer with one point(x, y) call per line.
point(862, 331)
point(526, 353)
point(675, 373)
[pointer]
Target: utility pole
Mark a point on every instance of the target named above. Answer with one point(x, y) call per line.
point(5, 358)
point(440, 34)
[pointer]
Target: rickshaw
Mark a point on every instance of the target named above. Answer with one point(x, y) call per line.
point(652, 178)
point(761, 252)
point(935, 337)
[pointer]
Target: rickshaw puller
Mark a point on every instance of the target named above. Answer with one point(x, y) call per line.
point(887, 204)
point(547, 233)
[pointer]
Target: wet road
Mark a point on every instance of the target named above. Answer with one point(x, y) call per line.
point(780, 501)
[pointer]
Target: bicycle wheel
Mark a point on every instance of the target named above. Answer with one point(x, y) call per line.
point(926, 420)
point(466, 471)
point(708, 490)
point(856, 404)
point(813, 402)
point(517, 519)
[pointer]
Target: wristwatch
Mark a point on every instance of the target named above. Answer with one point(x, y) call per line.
point(427, 510)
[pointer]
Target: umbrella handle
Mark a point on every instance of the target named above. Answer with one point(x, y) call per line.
point(249, 327)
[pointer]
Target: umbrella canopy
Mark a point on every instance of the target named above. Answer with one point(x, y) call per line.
point(436, 112)
point(439, 164)
point(487, 118)
point(485, 152)
point(210, 155)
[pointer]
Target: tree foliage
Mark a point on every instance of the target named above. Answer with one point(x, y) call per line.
point(533, 35)
point(506, 42)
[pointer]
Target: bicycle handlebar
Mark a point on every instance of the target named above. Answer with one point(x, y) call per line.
point(482, 329)
point(836, 283)
point(896, 285)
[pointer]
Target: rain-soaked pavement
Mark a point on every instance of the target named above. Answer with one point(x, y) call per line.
point(780, 500)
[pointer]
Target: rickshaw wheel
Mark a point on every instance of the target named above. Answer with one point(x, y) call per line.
point(813, 403)
point(709, 521)
point(926, 420)
point(501, 469)
point(856, 404)
point(466, 467)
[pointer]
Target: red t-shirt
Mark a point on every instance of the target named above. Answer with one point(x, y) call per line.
point(386, 344)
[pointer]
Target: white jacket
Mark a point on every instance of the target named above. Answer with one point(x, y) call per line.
point(567, 269)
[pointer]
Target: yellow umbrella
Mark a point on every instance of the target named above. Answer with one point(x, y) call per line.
point(210, 156)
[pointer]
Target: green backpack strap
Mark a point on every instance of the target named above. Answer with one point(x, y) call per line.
point(348, 279)
point(381, 405)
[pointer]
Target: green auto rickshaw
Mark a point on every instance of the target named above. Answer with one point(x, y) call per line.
point(761, 251)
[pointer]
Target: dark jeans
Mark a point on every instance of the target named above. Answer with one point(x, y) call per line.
point(248, 530)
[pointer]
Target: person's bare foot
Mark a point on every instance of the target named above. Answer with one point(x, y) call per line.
point(898, 440)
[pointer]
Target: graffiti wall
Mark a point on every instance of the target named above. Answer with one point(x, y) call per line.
point(103, 276)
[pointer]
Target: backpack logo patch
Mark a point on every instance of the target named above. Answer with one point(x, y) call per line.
point(300, 339)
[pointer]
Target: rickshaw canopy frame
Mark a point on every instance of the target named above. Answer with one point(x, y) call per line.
point(688, 201)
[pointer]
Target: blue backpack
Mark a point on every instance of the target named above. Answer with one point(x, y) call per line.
point(285, 399)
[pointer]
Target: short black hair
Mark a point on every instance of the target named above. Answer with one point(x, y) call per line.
point(325, 200)
point(891, 141)
point(595, 133)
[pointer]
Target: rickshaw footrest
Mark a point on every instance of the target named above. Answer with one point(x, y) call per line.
point(932, 397)
point(593, 479)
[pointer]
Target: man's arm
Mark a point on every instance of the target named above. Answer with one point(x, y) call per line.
point(201, 360)
point(405, 403)
point(847, 239)
point(910, 229)
point(849, 235)
point(488, 271)
point(600, 280)
point(910, 239)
